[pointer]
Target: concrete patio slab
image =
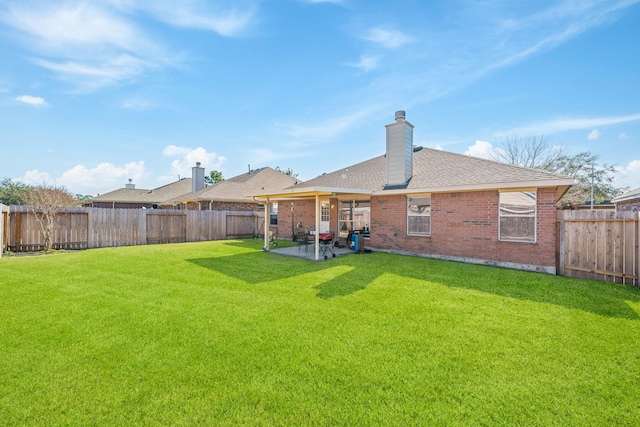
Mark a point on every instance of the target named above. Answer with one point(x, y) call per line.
point(309, 251)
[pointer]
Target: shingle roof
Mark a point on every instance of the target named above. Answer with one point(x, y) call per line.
point(240, 187)
point(435, 169)
point(629, 195)
point(139, 195)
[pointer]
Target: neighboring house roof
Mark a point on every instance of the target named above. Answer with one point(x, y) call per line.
point(238, 188)
point(629, 195)
point(433, 171)
point(139, 195)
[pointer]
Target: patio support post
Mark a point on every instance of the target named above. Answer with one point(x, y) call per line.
point(317, 235)
point(266, 225)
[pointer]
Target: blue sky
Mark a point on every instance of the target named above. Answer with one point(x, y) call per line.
point(93, 93)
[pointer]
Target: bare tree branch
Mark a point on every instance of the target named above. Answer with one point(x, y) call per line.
point(530, 151)
point(537, 152)
point(45, 202)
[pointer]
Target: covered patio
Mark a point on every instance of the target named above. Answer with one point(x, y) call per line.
point(308, 193)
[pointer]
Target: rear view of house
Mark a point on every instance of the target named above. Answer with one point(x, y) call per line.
point(433, 203)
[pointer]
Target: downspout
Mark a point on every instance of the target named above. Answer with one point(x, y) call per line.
point(317, 236)
point(266, 225)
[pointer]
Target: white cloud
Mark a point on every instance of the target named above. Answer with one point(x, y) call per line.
point(628, 176)
point(35, 177)
point(84, 43)
point(60, 27)
point(202, 15)
point(388, 38)
point(96, 44)
point(102, 178)
point(90, 181)
point(480, 149)
point(35, 101)
point(623, 135)
point(562, 125)
point(185, 158)
point(594, 134)
point(139, 104)
point(367, 63)
point(331, 127)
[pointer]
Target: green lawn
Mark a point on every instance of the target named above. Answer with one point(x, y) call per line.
point(222, 333)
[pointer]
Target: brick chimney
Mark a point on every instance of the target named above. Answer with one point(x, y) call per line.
point(399, 152)
point(197, 178)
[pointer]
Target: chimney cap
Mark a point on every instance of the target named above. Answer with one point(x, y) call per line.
point(198, 164)
point(400, 115)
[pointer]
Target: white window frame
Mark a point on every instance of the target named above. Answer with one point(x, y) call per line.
point(505, 212)
point(357, 218)
point(324, 212)
point(413, 214)
point(273, 214)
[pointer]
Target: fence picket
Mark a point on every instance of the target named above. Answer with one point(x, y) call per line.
point(80, 228)
point(599, 245)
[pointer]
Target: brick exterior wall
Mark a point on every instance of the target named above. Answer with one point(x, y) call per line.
point(303, 213)
point(464, 225)
point(628, 206)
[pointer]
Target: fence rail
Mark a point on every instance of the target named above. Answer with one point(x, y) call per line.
point(599, 245)
point(82, 228)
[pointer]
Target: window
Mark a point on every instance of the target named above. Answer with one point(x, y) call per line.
point(273, 213)
point(354, 215)
point(419, 216)
point(324, 214)
point(517, 216)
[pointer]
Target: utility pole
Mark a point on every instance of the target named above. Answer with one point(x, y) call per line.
point(592, 173)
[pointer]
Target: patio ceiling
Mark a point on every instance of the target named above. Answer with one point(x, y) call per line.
point(308, 193)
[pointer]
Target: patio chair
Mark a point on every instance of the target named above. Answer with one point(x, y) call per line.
point(273, 238)
point(303, 239)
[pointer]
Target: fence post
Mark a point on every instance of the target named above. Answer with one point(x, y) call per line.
point(561, 245)
point(4, 229)
point(637, 272)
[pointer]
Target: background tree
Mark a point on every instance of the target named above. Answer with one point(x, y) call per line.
point(13, 192)
point(537, 152)
point(528, 151)
point(213, 177)
point(584, 168)
point(287, 171)
point(83, 198)
point(46, 202)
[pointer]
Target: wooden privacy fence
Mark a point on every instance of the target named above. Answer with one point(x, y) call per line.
point(599, 245)
point(81, 228)
point(4, 222)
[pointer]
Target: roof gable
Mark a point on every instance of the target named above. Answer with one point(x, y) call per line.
point(629, 195)
point(139, 195)
point(240, 187)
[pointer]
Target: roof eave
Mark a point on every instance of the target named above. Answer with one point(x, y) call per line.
point(560, 183)
point(307, 192)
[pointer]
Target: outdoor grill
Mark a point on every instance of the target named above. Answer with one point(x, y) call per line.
point(326, 244)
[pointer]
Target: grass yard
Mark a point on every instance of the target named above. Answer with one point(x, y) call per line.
point(222, 333)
